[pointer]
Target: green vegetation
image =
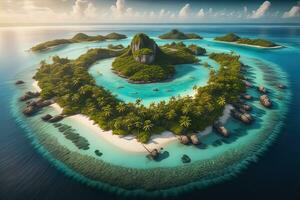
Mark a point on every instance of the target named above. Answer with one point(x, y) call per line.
point(150, 63)
point(143, 51)
point(177, 35)
point(127, 66)
point(115, 36)
point(73, 88)
point(192, 49)
point(49, 44)
point(119, 46)
point(79, 37)
point(231, 37)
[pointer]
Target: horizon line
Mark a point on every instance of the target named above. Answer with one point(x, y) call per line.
point(170, 23)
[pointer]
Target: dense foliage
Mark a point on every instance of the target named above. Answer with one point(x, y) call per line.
point(79, 37)
point(192, 49)
point(177, 35)
point(162, 68)
point(231, 37)
point(73, 88)
point(115, 36)
point(119, 46)
point(127, 67)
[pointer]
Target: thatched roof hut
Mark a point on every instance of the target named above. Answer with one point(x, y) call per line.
point(184, 139)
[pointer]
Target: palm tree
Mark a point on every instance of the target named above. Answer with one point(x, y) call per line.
point(221, 101)
point(121, 107)
point(171, 114)
point(186, 108)
point(101, 101)
point(185, 121)
point(117, 124)
point(138, 125)
point(147, 125)
point(138, 101)
point(107, 111)
point(156, 115)
point(75, 98)
point(91, 109)
point(76, 82)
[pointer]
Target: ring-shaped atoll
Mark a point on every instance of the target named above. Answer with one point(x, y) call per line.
point(218, 129)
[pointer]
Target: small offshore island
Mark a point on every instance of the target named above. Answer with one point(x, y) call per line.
point(79, 37)
point(260, 43)
point(177, 35)
point(146, 62)
point(190, 133)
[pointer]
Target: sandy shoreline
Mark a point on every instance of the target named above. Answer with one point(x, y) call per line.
point(248, 45)
point(129, 143)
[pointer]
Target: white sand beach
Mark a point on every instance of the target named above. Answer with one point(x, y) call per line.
point(129, 143)
point(249, 45)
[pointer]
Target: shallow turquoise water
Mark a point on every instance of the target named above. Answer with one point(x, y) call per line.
point(186, 77)
point(241, 135)
point(182, 83)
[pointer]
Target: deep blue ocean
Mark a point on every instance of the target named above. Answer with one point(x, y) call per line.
point(25, 174)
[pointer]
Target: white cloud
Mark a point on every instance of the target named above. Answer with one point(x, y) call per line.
point(119, 8)
point(293, 12)
point(200, 13)
point(260, 12)
point(152, 14)
point(79, 8)
point(83, 9)
point(184, 11)
point(163, 13)
point(30, 7)
point(91, 11)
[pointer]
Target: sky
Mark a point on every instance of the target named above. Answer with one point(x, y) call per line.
point(149, 11)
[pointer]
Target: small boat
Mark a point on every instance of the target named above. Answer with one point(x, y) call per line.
point(281, 86)
point(152, 154)
point(155, 90)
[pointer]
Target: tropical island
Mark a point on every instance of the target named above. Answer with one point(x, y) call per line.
point(79, 37)
point(233, 38)
point(68, 83)
point(177, 35)
point(146, 62)
point(116, 47)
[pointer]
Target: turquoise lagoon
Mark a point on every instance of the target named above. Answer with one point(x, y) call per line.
point(219, 158)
